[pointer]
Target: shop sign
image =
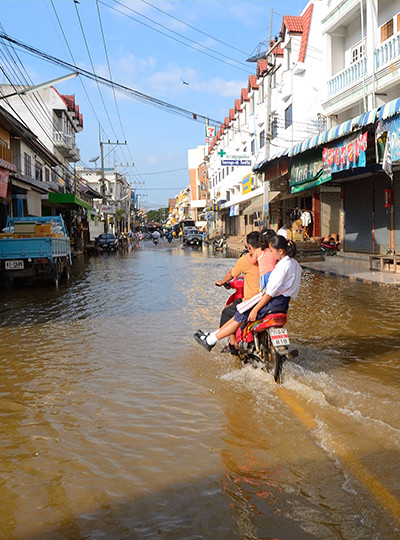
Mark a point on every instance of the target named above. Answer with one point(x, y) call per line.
point(347, 154)
point(392, 128)
point(108, 209)
point(246, 184)
point(234, 210)
point(278, 169)
point(305, 171)
point(4, 179)
point(210, 131)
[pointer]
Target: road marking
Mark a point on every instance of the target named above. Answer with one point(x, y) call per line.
point(382, 494)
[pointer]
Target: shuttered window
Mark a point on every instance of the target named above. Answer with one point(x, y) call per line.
point(387, 30)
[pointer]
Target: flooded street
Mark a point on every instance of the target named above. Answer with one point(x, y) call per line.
point(116, 424)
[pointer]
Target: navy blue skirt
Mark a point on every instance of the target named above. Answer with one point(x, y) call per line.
point(278, 304)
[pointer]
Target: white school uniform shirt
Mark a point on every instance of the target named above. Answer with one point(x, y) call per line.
point(284, 278)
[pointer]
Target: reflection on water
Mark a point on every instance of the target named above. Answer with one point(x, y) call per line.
point(116, 424)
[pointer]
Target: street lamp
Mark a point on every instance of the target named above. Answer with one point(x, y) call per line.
point(36, 88)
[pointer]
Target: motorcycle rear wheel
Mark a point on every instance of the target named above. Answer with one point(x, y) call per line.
point(278, 364)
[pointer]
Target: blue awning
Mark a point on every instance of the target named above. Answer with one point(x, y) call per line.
point(334, 133)
point(389, 109)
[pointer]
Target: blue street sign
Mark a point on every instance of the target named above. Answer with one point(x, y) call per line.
point(236, 162)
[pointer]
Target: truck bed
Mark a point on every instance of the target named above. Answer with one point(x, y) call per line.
point(37, 247)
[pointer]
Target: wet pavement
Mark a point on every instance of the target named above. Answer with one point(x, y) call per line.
point(116, 424)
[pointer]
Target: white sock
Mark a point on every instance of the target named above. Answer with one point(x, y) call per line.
point(212, 338)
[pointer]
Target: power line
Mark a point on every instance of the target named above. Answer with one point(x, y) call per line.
point(177, 34)
point(193, 27)
point(140, 96)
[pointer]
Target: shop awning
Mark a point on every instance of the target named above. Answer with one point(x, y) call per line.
point(334, 133)
point(330, 134)
point(256, 205)
point(67, 199)
point(390, 109)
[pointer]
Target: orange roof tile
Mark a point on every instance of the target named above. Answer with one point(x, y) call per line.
point(301, 26)
point(306, 19)
point(238, 105)
point(252, 85)
point(244, 95)
point(232, 114)
point(262, 66)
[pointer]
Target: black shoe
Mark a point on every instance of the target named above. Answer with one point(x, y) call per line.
point(230, 349)
point(201, 338)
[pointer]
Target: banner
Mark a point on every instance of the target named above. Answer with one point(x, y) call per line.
point(246, 184)
point(4, 178)
point(392, 129)
point(347, 154)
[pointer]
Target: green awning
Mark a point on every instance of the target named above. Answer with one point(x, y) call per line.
point(67, 198)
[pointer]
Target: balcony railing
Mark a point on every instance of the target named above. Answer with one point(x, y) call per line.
point(63, 138)
point(347, 77)
point(388, 51)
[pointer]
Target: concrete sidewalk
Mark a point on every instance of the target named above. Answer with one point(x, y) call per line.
point(354, 271)
point(352, 266)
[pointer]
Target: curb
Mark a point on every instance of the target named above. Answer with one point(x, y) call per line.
point(350, 277)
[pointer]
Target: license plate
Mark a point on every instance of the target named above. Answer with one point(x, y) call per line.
point(14, 265)
point(279, 336)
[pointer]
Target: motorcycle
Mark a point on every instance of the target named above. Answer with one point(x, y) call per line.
point(155, 241)
point(265, 343)
point(219, 244)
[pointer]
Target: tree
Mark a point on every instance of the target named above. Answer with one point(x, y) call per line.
point(157, 215)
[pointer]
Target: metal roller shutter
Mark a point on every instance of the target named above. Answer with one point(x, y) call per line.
point(358, 197)
point(381, 215)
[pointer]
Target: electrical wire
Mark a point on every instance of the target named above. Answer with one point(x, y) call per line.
point(193, 27)
point(196, 48)
point(140, 96)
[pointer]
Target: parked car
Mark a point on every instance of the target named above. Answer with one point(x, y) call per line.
point(106, 242)
point(193, 237)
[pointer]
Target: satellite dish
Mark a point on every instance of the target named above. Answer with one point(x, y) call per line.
point(94, 159)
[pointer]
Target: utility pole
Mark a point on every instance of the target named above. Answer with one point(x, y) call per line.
point(103, 180)
point(265, 213)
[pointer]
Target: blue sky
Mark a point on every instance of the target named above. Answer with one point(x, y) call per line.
point(151, 62)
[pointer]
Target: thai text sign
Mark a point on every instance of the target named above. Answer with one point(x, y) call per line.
point(305, 171)
point(347, 154)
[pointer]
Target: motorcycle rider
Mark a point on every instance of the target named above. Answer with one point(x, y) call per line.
point(156, 236)
point(283, 284)
point(250, 272)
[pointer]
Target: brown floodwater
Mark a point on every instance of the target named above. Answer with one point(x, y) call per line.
point(116, 424)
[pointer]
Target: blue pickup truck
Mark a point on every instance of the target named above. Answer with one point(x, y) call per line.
point(35, 247)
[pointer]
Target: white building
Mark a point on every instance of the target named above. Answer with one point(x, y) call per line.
point(280, 106)
point(55, 119)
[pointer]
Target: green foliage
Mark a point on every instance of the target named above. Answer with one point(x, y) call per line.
point(157, 215)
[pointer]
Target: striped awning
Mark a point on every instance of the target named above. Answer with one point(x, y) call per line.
point(389, 109)
point(259, 167)
point(334, 133)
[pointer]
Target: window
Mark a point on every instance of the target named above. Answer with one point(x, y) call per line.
point(262, 138)
point(252, 104)
point(253, 146)
point(38, 171)
point(288, 117)
point(47, 174)
point(261, 92)
point(27, 164)
point(357, 52)
point(387, 30)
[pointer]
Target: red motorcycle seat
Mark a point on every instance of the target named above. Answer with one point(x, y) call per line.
point(272, 319)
